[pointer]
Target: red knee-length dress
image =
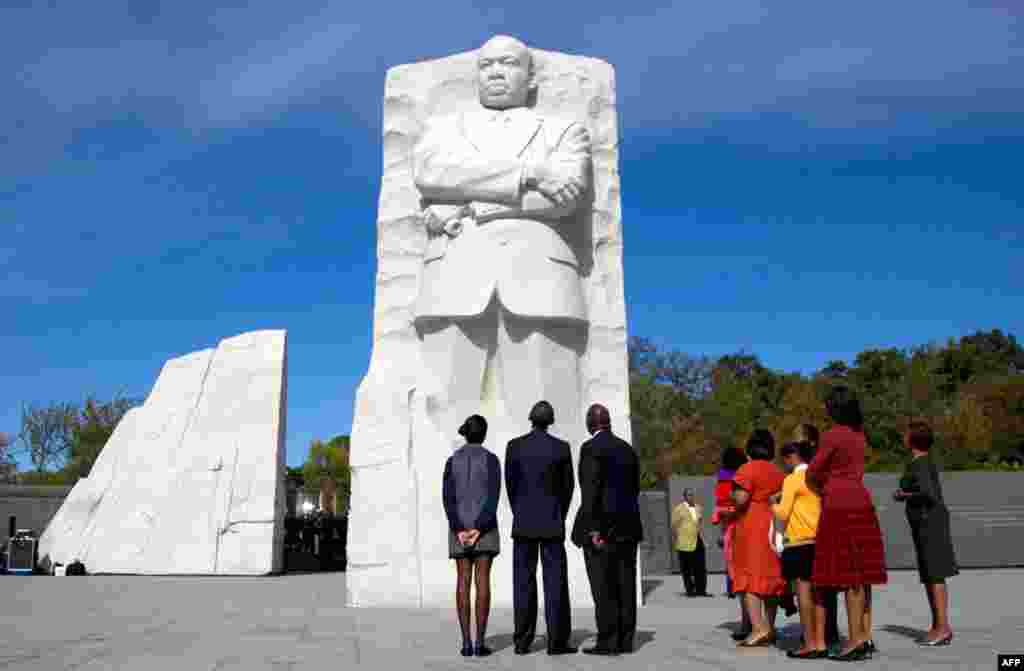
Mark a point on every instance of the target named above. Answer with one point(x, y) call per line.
point(848, 548)
point(755, 567)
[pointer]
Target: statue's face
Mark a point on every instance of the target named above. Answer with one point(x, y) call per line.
point(503, 74)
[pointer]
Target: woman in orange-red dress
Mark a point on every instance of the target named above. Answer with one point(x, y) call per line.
point(725, 516)
point(756, 569)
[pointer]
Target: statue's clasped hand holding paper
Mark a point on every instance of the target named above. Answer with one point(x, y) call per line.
point(449, 220)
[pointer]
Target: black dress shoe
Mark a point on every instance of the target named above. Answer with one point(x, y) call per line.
point(467, 649)
point(598, 650)
point(522, 649)
point(562, 650)
point(625, 649)
point(481, 650)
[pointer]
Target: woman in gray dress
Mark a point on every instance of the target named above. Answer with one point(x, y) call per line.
point(921, 489)
point(471, 488)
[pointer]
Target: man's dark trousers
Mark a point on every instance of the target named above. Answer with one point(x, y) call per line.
point(693, 565)
point(612, 573)
point(556, 590)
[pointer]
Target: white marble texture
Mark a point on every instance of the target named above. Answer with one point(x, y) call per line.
point(397, 544)
point(192, 481)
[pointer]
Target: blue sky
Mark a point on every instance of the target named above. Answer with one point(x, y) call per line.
point(798, 181)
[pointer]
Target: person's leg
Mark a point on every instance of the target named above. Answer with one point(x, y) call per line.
point(700, 568)
point(688, 572)
point(682, 570)
point(524, 596)
point(940, 599)
point(482, 571)
point(855, 616)
point(543, 357)
point(830, 598)
point(464, 574)
point(865, 622)
point(930, 593)
point(454, 356)
point(626, 566)
point(813, 639)
point(771, 611)
point(745, 621)
point(604, 613)
point(755, 612)
point(555, 566)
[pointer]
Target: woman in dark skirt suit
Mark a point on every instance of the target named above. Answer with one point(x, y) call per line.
point(849, 554)
point(929, 524)
point(471, 488)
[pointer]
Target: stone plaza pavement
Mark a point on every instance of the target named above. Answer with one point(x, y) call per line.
point(295, 622)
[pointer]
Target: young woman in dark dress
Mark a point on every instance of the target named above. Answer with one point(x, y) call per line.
point(849, 554)
point(470, 490)
point(928, 516)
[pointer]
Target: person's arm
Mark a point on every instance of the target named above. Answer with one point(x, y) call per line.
point(784, 508)
point(590, 486)
point(817, 470)
point(488, 518)
point(445, 169)
point(927, 489)
point(742, 486)
point(568, 482)
point(570, 159)
point(511, 474)
point(451, 508)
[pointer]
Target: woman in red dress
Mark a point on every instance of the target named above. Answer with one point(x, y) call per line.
point(725, 516)
point(850, 555)
point(756, 569)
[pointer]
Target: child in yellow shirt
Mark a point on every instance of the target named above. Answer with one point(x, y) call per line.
point(798, 509)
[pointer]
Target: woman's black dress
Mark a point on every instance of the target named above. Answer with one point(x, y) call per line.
point(929, 521)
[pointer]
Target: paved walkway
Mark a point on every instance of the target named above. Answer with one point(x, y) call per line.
point(295, 622)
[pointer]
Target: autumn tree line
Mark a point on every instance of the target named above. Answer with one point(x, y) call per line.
point(686, 409)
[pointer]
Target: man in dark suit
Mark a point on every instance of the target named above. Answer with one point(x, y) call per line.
point(608, 529)
point(539, 482)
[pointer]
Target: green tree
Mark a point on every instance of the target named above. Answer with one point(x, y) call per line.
point(329, 462)
point(7, 465)
point(91, 430)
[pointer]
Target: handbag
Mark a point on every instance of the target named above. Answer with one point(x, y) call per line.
point(776, 539)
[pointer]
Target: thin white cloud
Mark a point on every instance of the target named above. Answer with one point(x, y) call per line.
point(678, 64)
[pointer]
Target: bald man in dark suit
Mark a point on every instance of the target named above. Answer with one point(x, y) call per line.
point(608, 528)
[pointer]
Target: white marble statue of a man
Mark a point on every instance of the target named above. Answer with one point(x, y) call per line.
point(500, 313)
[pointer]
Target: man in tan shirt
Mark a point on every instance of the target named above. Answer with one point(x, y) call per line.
point(687, 518)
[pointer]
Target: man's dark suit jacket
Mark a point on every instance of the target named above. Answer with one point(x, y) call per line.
point(610, 491)
point(539, 483)
point(471, 488)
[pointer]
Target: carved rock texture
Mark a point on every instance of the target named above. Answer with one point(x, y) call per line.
point(397, 543)
point(191, 482)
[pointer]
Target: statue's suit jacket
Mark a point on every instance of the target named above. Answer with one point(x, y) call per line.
point(516, 246)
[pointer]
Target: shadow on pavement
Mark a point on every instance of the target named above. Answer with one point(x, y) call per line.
point(649, 585)
point(906, 632)
point(642, 638)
